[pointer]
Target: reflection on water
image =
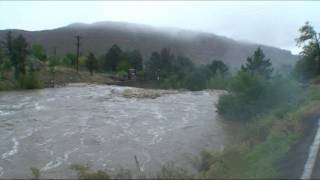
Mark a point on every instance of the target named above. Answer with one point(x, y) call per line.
point(53, 128)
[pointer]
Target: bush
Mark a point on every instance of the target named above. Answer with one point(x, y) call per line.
point(84, 172)
point(170, 171)
point(7, 85)
point(122, 75)
point(251, 95)
point(196, 81)
point(29, 81)
point(218, 82)
point(35, 173)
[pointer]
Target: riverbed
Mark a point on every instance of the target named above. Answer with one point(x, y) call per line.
point(53, 128)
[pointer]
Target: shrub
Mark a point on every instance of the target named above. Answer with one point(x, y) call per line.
point(196, 81)
point(35, 173)
point(7, 85)
point(84, 172)
point(251, 95)
point(218, 82)
point(170, 171)
point(122, 75)
point(29, 81)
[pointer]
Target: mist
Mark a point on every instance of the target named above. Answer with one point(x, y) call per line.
point(264, 22)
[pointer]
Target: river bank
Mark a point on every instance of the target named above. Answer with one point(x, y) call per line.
point(61, 76)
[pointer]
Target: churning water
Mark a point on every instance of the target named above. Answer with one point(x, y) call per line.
point(53, 128)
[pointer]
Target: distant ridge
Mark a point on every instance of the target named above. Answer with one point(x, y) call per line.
point(201, 47)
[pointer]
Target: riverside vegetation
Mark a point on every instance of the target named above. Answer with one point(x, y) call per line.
point(274, 106)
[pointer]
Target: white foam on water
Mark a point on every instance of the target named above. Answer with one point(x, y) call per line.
point(51, 99)
point(27, 133)
point(69, 133)
point(52, 164)
point(66, 155)
point(5, 113)
point(59, 160)
point(13, 151)
point(45, 142)
point(20, 105)
point(38, 107)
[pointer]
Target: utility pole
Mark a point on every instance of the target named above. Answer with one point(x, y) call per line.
point(78, 51)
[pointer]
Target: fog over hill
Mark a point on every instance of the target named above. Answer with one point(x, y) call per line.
point(200, 47)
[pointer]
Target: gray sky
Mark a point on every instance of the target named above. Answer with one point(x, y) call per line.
point(264, 22)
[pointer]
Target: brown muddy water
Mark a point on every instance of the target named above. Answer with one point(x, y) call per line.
point(53, 128)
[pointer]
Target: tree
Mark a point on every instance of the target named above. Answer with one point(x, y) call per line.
point(17, 49)
point(69, 59)
point(160, 64)
point(153, 66)
point(112, 58)
point(182, 65)
point(218, 67)
point(196, 80)
point(39, 52)
point(91, 63)
point(258, 64)
point(167, 59)
point(135, 59)
point(309, 65)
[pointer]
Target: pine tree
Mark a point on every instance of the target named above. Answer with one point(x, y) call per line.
point(18, 51)
point(112, 58)
point(258, 64)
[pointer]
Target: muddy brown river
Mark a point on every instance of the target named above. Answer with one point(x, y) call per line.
point(53, 128)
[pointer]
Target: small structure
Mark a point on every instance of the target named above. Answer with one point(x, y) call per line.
point(132, 73)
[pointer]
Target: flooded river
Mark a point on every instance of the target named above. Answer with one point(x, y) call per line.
point(53, 128)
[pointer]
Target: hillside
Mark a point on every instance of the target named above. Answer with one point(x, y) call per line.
point(200, 47)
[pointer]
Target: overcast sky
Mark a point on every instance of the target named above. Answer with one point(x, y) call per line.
point(271, 23)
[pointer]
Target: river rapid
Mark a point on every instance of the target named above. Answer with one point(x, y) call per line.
point(53, 128)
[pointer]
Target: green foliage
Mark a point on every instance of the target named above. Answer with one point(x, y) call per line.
point(29, 81)
point(123, 66)
point(35, 173)
point(153, 66)
point(217, 67)
point(218, 82)
point(309, 65)
point(258, 64)
point(7, 85)
point(53, 62)
point(267, 140)
point(5, 66)
point(17, 49)
point(305, 69)
point(69, 59)
point(135, 60)
point(180, 72)
point(123, 174)
point(122, 75)
point(91, 63)
point(253, 95)
point(39, 52)
point(170, 171)
point(84, 172)
point(196, 80)
point(112, 58)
